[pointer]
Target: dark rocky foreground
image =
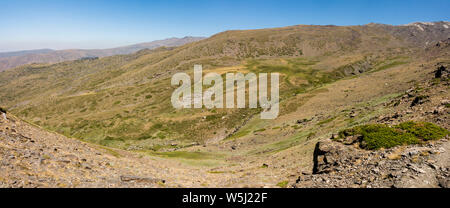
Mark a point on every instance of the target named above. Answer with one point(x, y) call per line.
point(340, 165)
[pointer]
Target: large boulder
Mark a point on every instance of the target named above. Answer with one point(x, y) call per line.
point(440, 72)
point(330, 156)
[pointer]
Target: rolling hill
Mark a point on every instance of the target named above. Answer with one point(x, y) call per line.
point(21, 53)
point(13, 59)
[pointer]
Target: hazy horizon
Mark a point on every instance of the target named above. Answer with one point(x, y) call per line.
point(87, 47)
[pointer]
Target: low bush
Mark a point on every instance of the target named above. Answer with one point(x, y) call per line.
point(376, 136)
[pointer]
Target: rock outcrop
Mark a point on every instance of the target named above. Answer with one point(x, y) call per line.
point(340, 165)
point(441, 72)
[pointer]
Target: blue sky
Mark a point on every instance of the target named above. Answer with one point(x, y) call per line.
point(62, 24)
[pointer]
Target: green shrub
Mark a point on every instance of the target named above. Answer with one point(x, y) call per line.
point(161, 135)
point(144, 136)
point(376, 136)
point(157, 126)
point(283, 184)
point(326, 121)
point(111, 141)
point(423, 130)
point(213, 117)
point(259, 130)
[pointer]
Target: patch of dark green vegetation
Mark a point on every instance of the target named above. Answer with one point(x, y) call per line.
point(189, 155)
point(326, 121)
point(376, 136)
point(283, 184)
point(423, 130)
point(109, 141)
point(259, 130)
point(238, 135)
point(390, 65)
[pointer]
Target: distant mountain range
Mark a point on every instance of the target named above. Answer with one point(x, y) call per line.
point(26, 52)
point(17, 58)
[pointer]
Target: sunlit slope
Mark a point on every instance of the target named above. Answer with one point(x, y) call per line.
point(124, 101)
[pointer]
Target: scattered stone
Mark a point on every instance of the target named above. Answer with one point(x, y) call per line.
point(352, 139)
point(419, 100)
point(341, 165)
point(440, 71)
point(141, 179)
point(445, 102)
point(353, 114)
point(302, 121)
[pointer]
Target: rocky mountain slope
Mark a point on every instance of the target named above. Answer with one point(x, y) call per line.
point(10, 60)
point(345, 164)
point(33, 157)
point(332, 79)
